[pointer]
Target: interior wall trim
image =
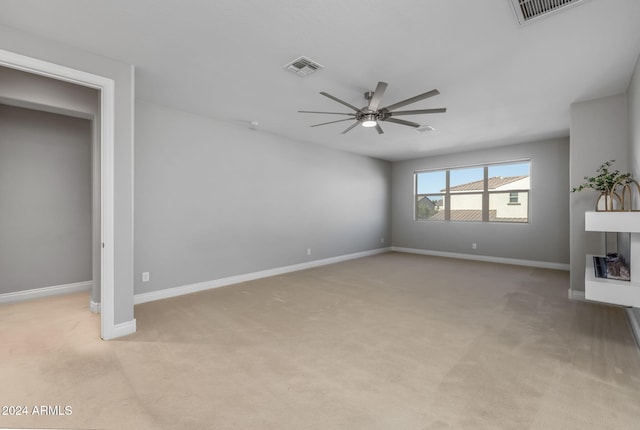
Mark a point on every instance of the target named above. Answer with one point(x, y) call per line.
point(634, 321)
point(485, 258)
point(577, 295)
point(207, 285)
point(124, 329)
point(94, 307)
point(37, 293)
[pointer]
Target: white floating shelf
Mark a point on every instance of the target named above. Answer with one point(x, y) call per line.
point(612, 291)
point(612, 221)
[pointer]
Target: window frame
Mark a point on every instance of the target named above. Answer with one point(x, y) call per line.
point(485, 192)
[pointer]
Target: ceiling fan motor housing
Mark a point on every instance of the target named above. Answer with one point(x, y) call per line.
point(365, 114)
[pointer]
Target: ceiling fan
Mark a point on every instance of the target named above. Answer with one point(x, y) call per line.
point(371, 115)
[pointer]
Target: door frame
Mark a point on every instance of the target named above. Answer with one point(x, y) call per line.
point(106, 86)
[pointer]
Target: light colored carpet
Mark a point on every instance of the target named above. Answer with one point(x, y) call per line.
point(394, 341)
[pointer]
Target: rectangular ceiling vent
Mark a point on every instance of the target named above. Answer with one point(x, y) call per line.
point(424, 129)
point(303, 66)
point(530, 10)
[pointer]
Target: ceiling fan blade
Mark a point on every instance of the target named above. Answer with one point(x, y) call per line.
point(332, 113)
point(339, 101)
point(379, 129)
point(375, 99)
point(403, 122)
point(413, 99)
point(417, 112)
point(350, 127)
point(331, 122)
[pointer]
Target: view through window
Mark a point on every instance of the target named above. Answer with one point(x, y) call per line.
point(486, 193)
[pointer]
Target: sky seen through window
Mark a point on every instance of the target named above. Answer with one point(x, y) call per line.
point(435, 181)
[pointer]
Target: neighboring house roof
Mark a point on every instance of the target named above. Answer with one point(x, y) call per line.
point(494, 182)
point(461, 215)
point(426, 201)
point(473, 215)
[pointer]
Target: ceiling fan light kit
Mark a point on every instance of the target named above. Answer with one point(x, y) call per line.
point(371, 115)
point(369, 120)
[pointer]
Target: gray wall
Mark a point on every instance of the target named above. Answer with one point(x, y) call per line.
point(45, 199)
point(47, 50)
point(545, 238)
point(633, 126)
point(633, 112)
point(216, 199)
point(598, 134)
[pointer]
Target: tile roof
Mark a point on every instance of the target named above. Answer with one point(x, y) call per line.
point(460, 215)
point(494, 182)
point(473, 215)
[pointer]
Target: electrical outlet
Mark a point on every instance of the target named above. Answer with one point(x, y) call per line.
point(145, 277)
point(308, 251)
point(382, 240)
point(474, 245)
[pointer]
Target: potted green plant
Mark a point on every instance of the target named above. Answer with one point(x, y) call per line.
point(604, 182)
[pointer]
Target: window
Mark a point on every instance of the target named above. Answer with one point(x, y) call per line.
point(430, 197)
point(488, 193)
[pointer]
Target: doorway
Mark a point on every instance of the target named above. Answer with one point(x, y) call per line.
point(106, 87)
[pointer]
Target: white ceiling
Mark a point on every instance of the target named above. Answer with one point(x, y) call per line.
point(502, 83)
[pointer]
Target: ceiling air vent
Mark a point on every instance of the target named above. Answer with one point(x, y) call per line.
point(424, 129)
point(529, 10)
point(303, 66)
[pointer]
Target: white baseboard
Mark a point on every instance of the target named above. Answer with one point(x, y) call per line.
point(95, 307)
point(207, 285)
point(577, 295)
point(634, 320)
point(123, 329)
point(37, 293)
point(485, 258)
